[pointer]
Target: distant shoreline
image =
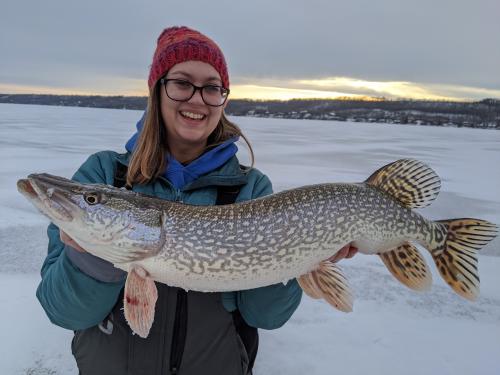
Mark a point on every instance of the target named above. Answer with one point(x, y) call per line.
point(484, 114)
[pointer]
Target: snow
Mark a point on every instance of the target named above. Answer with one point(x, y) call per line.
point(392, 329)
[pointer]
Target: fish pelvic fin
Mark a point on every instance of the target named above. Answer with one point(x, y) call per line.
point(456, 257)
point(139, 301)
point(309, 286)
point(408, 266)
point(411, 182)
point(328, 282)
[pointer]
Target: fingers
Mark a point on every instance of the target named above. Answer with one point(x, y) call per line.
point(352, 251)
point(70, 242)
point(346, 252)
point(64, 237)
point(341, 254)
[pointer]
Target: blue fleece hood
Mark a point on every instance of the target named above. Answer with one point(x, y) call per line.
point(180, 175)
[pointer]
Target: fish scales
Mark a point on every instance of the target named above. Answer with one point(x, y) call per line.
point(287, 235)
point(273, 239)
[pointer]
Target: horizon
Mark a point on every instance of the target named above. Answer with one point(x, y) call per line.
point(385, 91)
point(338, 98)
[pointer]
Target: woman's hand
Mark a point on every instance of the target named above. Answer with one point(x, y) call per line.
point(348, 251)
point(70, 242)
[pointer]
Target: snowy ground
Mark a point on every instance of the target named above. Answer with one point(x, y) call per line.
point(391, 331)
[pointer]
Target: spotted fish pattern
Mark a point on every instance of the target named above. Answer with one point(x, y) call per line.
point(279, 237)
point(287, 235)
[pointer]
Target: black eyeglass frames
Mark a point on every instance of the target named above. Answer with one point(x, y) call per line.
point(181, 91)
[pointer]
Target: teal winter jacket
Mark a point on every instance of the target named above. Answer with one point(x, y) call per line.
point(75, 300)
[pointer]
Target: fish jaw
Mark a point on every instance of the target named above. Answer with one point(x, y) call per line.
point(25, 188)
point(41, 196)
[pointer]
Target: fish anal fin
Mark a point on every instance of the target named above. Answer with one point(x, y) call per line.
point(328, 282)
point(408, 266)
point(411, 182)
point(139, 301)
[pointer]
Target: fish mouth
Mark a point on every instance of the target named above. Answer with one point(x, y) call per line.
point(25, 188)
point(48, 194)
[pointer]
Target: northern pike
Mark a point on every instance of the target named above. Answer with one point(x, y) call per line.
point(286, 235)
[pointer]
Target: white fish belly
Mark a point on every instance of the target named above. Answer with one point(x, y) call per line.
point(222, 277)
point(371, 247)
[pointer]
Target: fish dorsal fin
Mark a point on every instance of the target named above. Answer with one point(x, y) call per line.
point(411, 182)
point(328, 282)
point(408, 266)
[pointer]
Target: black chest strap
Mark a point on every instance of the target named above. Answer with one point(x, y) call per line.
point(249, 335)
point(120, 179)
point(227, 194)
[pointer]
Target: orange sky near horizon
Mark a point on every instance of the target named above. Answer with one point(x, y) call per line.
point(272, 89)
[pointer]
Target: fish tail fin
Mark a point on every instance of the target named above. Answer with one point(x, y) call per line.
point(328, 282)
point(139, 301)
point(455, 255)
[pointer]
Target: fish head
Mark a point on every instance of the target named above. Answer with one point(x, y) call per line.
point(98, 217)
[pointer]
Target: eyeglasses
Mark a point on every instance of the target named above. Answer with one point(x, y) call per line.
point(181, 91)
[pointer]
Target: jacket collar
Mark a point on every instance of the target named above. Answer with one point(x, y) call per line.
point(229, 174)
point(210, 164)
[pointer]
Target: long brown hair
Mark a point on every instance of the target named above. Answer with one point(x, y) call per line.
point(149, 156)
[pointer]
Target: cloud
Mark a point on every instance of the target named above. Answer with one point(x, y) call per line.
point(331, 87)
point(447, 42)
point(400, 89)
point(272, 89)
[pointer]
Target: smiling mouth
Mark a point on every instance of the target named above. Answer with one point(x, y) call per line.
point(193, 116)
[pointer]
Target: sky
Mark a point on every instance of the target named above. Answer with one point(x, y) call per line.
point(433, 49)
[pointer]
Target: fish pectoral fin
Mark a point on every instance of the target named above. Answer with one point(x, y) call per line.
point(138, 251)
point(328, 282)
point(139, 300)
point(408, 266)
point(411, 182)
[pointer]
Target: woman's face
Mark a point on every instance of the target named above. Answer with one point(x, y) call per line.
point(190, 123)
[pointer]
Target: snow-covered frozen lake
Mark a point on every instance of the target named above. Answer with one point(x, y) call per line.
point(391, 331)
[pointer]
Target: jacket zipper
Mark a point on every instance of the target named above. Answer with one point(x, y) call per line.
point(178, 195)
point(179, 334)
point(180, 321)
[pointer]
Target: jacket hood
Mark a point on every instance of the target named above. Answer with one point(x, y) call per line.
point(181, 175)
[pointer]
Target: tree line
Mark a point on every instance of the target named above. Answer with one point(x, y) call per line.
point(484, 113)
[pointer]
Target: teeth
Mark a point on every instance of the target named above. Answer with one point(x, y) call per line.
point(192, 115)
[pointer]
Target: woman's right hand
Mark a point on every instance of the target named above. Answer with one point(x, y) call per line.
point(70, 242)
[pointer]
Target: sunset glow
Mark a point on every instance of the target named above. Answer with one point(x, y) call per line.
point(335, 87)
point(281, 93)
point(282, 89)
point(394, 89)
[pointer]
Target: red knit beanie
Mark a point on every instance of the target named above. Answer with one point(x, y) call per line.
point(179, 44)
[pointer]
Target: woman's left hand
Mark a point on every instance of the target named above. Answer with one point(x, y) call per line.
point(348, 251)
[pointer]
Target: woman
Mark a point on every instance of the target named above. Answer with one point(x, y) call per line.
point(184, 150)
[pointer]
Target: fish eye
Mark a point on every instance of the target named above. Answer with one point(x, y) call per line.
point(91, 198)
